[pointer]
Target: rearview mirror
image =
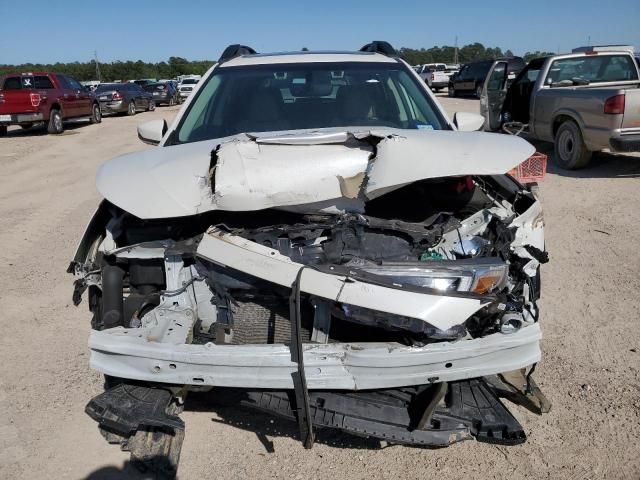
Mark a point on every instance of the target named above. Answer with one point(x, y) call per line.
point(152, 132)
point(468, 122)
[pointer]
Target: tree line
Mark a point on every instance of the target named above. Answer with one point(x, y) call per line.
point(181, 66)
point(467, 53)
point(117, 70)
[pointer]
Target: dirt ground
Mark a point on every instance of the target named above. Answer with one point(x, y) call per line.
point(591, 348)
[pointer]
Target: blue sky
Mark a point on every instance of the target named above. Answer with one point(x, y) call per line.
point(48, 31)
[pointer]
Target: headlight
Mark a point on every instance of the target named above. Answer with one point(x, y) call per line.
point(478, 275)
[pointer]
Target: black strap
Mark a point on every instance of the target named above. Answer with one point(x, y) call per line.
point(303, 409)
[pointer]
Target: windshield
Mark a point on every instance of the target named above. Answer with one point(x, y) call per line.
point(268, 98)
point(107, 87)
point(150, 87)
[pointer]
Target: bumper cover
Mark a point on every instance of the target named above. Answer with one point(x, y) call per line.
point(471, 409)
point(125, 353)
point(17, 118)
point(114, 107)
point(625, 143)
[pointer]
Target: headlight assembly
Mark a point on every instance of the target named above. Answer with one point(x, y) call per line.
point(479, 276)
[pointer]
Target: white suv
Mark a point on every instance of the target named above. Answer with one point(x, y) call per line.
point(315, 234)
point(187, 85)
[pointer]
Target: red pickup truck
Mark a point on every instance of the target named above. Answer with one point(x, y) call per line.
point(50, 98)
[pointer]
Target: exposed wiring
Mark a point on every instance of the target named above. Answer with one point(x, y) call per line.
point(183, 288)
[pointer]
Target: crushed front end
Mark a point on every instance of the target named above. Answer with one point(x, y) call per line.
point(403, 316)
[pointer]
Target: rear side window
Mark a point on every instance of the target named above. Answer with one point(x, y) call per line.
point(42, 82)
point(593, 69)
point(12, 83)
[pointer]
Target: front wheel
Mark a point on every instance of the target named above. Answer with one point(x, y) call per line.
point(131, 108)
point(570, 152)
point(55, 123)
point(96, 114)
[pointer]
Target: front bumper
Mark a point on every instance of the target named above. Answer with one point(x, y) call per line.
point(126, 353)
point(439, 84)
point(185, 94)
point(18, 118)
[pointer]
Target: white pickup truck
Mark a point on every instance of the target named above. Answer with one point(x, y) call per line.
point(434, 75)
point(582, 102)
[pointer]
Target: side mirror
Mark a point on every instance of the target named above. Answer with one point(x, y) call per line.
point(468, 122)
point(152, 132)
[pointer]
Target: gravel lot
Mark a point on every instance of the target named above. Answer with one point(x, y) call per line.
point(590, 369)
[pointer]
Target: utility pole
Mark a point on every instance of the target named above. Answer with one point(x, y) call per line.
point(455, 52)
point(95, 55)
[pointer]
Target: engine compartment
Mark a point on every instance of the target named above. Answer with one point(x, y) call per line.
point(454, 236)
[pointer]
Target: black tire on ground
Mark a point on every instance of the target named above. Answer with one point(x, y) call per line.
point(570, 152)
point(3, 131)
point(96, 114)
point(131, 108)
point(451, 92)
point(55, 125)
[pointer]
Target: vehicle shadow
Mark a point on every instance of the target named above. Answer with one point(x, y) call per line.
point(41, 130)
point(264, 425)
point(129, 471)
point(603, 164)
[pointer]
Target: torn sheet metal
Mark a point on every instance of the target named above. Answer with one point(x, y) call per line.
point(312, 169)
point(125, 353)
point(254, 176)
point(440, 311)
point(417, 155)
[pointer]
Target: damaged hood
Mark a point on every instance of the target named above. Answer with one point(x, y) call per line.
point(331, 172)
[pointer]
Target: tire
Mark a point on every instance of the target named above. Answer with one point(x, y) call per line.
point(451, 92)
point(570, 152)
point(3, 131)
point(96, 114)
point(152, 106)
point(55, 126)
point(478, 91)
point(131, 108)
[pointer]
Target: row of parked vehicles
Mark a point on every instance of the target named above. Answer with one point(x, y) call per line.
point(50, 99)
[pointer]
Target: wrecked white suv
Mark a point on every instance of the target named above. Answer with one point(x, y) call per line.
point(314, 234)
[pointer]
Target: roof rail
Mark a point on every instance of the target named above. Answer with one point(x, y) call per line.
point(236, 50)
point(379, 46)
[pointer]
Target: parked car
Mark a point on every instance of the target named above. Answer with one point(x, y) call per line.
point(471, 77)
point(128, 98)
point(186, 87)
point(582, 102)
point(436, 79)
point(323, 267)
point(163, 93)
point(42, 97)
